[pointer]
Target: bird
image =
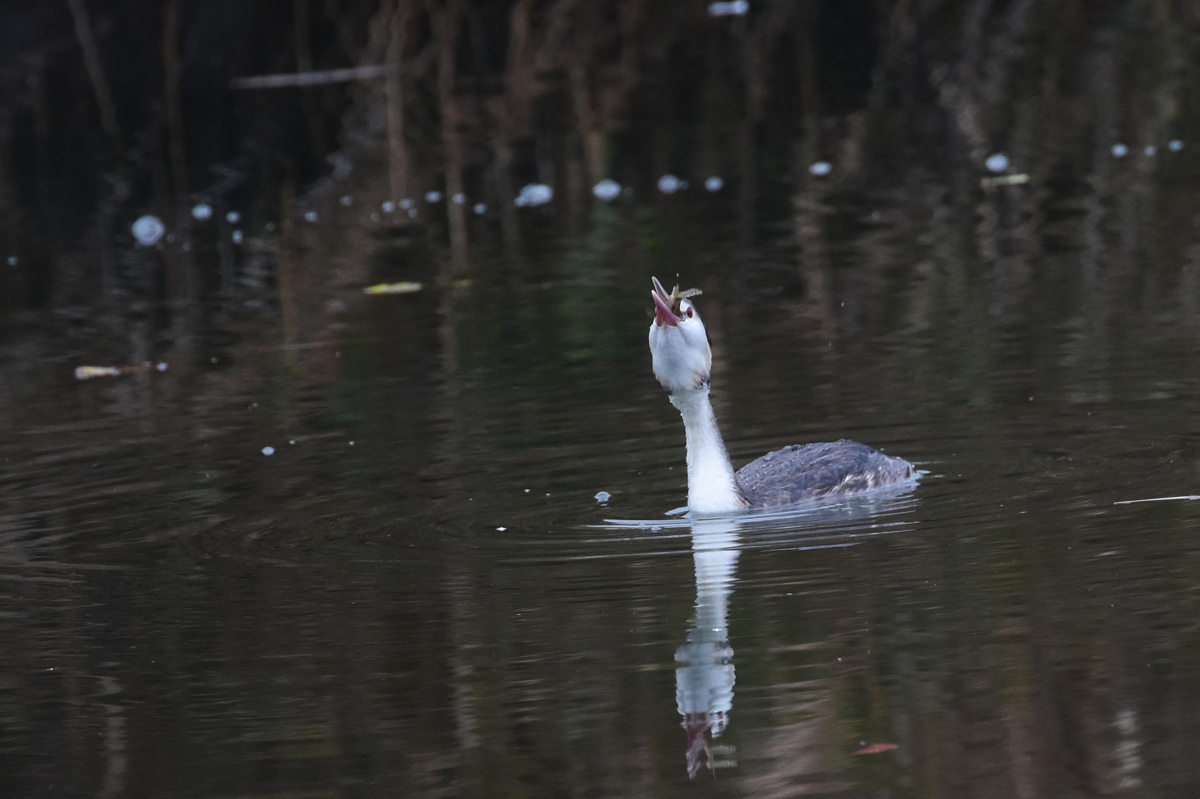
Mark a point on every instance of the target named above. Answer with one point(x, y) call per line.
point(682, 361)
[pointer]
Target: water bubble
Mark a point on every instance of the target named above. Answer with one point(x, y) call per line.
point(13, 260)
point(998, 162)
point(237, 237)
point(346, 200)
point(820, 169)
point(1175, 145)
point(669, 184)
point(501, 529)
point(201, 211)
point(374, 216)
point(607, 190)
point(270, 227)
point(148, 230)
point(406, 203)
point(268, 450)
point(480, 209)
point(412, 213)
point(714, 183)
point(459, 199)
point(1151, 150)
point(603, 496)
point(734, 8)
point(534, 194)
point(388, 207)
point(433, 196)
point(352, 443)
point(233, 217)
point(310, 216)
point(1119, 150)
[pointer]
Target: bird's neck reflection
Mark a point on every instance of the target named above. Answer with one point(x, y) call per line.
point(704, 674)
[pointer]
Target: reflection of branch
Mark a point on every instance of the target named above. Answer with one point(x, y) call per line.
point(91, 59)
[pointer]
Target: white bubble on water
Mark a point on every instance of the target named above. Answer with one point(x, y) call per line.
point(237, 237)
point(714, 184)
point(997, 162)
point(13, 260)
point(534, 194)
point(459, 199)
point(606, 190)
point(603, 496)
point(148, 230)
point(1119, 150)
point(233, 217)
point(669, 184)
point(480, 209)
point(732, 8)
point(433, 196)
point(1151, 151)
point(201, 211)
point(406, 203)
point(310, 216)
point(388, 207)
point(412, 213)
point(820, 169)
point(268, 450)
point(346, 201)
point(374, 216)
point(1175, 145)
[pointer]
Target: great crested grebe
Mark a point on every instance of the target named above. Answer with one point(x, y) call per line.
point(682, 364)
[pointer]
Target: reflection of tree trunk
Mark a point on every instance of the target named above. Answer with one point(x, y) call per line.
point(173, 91)
point(287, 264)
point(116, 744)
point(752, 114)
point(804, 29)
point(304, 63)
point(817, 305)
point(505, 188)
point(397, 147)
point(449, 22)
point(590, 136)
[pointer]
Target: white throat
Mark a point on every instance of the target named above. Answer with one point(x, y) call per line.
point(712, 487)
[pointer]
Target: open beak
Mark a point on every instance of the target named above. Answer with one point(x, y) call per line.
point(663, 315)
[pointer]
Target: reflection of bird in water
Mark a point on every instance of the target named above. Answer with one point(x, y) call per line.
point(682, 364)
point(704, 673)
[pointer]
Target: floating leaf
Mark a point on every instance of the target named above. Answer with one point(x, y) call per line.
point(875, 749)
point(394, 288)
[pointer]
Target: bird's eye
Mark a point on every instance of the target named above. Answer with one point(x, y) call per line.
point(690, 313)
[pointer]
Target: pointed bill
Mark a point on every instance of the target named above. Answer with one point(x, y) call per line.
point(663, 302)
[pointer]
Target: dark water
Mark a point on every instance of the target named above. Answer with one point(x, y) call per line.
point(418, 594)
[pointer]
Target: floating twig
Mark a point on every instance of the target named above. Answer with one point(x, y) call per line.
point(317, 78)
point(1185, 498)
point(88, 372)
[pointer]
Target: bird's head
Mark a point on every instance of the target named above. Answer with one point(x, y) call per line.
point(678, 341)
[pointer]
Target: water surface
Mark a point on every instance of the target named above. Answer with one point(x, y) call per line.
point(418, 594)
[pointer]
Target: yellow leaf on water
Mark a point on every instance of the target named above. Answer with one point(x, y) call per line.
point(393, 288)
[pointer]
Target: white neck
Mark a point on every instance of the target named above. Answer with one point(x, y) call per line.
point(711, 484)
